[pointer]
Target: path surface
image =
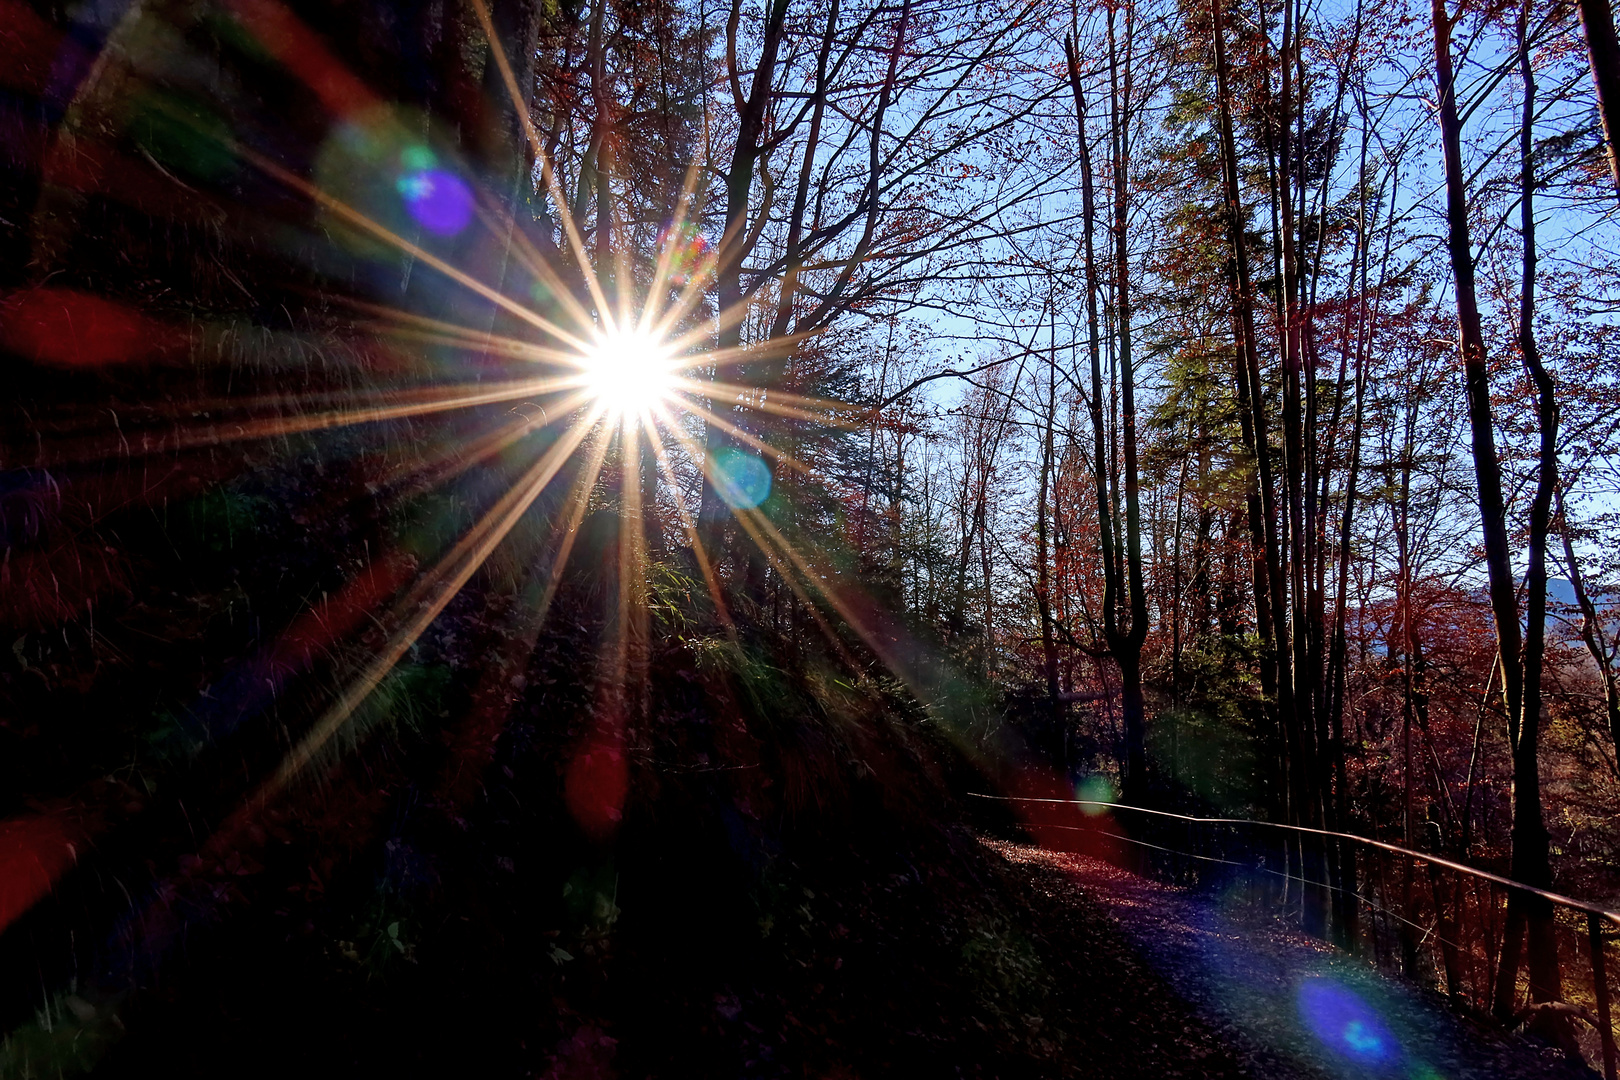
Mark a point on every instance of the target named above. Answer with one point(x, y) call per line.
point(1257, 999)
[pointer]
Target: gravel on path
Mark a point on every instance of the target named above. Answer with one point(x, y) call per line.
point(1282, 1004)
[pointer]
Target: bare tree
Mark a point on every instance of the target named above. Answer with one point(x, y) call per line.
point(1530, 840)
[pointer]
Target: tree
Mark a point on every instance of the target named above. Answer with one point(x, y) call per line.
point(1122, 569)
point(1520, 656)
point(1603, 52)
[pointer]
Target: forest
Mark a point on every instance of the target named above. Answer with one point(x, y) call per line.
point(584, 538)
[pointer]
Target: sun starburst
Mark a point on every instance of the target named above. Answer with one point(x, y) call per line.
point(628, 372)
point(611, 366)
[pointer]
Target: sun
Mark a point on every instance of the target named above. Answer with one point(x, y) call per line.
point(628, 372)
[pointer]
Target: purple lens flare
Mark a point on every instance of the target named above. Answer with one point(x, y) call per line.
point(1346, 1024)
point(441, 202)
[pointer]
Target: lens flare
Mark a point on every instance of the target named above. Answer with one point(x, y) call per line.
point(684, 250)
point(440, 201)
point(629, 372)
point(1346, 1024)
point(1094, 789)
point(741, 477)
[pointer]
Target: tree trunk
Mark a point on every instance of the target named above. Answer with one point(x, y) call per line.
point(751, 113)
point(1043, 577)
point(1530, 844)
point(1127, 645)
point(1545, 984)
point(1122, 571)
point(1603, 50)
point(1270, 608)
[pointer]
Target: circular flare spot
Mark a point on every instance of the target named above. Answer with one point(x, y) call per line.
point(1345, 1023)
point(1094, 789)
point(741, 478)
point(596, 784)
point(76, 329)
point(439, 201)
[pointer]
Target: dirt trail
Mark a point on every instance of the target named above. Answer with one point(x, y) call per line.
point(1191, 989)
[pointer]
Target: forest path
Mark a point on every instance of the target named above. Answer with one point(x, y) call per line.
point(1210, 993)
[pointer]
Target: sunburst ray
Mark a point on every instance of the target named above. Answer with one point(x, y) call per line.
point(747, 438)
point(428, 598)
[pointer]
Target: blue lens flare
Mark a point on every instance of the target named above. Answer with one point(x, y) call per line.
point(1346, 1024)
point(741, 477)
point(441, 202)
